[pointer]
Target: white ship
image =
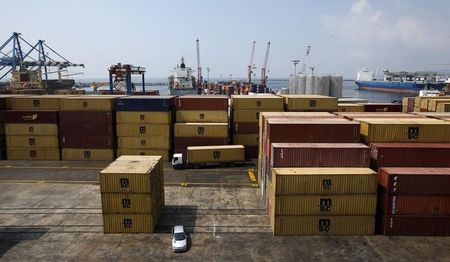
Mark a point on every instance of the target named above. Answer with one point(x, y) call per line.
point(181, 81)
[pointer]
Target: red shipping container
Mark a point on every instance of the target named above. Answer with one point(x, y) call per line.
point(251, 152)
point(94, 117)
point(245, 128)
point(87, 129)
point(25, 116)
point(202, 103)
point(96, 142)
point(413, 225)
point(414, 180)
point(410, 154)
point(184, 142)
point(391, 204)
point(319, 155)
point(382, 107)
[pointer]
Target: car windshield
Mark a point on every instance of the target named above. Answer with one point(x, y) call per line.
point(179, 236)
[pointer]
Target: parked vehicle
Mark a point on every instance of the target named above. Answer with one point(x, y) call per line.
point(179, 239)
point(197, 156)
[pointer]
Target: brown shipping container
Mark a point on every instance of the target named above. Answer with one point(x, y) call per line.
point(125, 117)
point(201, 116)
point(391, 204)
point(144, 142)
point(87, 154)
point(144, 130)
point(201, 130)
point(86, 129)
point(23, 116)
point(31, 129)
point(323, 225)
point(350, 108)
point(87, 141)
point(310, 103)
point(382, 107)
point(414, 225)
point(290, 181)
point(251, 152)
point(129, 223)
point(89, 103)
point(164, 153)
point(257, 102)
point(32, 141)
point(358, 115)
point(245, 128)
point(215, 154)
point(202, 103)
point(36, 102)
point(246, 116)
point(246, 139)
point(128, 203)
point(415, 181)
point(184, 142)
point(410, 154)
point(319, 155)
point(33, 154)
point(86, 117)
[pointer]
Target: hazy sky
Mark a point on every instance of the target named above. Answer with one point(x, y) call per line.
point(344, 34)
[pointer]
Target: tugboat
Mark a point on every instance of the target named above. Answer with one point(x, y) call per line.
point(181, 81)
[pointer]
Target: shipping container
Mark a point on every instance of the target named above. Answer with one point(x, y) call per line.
point(443, 107)
point(5, 101)
point(415, 180)
point(414, 225)
point(129, 223)
point(433, 103)
point(184, 142)
point(145, 103)
point(32, 141)
point(408, 104)
point(33, 154)
point(246, 116)
point(382, 107)
point(164, 153)
point(246, 139)
point(87, 154)
point(251, 152)
point(410, 154)
point(257, 102)
point(245, 128)
point(358, 115)
point(36, 102)
point(31, 129)
point(290, 181)
point(128, 203)
point(393, 204)
point(202, 116)
point(215, 154)
point(202, 103)
point(144, 142)
point(144, 130)
point(24, 116)
point(142, 117)
point(405, 130)
point(89, 103)
point(88, 141)
point(310, 103)
point(350, 108)
point(201, 130)
point(319, 155)
point(424, 101)
point(86, 129)
point(86, 117)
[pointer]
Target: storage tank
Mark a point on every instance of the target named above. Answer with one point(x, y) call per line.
point(336, 86)
point(286, 91)
point(301, 87)
point(292, 80)
point(322, 85)
point(309, 84)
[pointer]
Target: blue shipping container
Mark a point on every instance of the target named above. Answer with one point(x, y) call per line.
point(145, 103)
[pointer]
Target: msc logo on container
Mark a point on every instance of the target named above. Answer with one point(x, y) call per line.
point(325, 205)
point(258, 103)
point(127, 223)
point(124, 183)
point(87, 154)
point(142, 130)
point(142, 117)
point(216, 154)
point(312, 103)
point(413, 132)
point(30, 129)
point(202, 116)
point(200, 130)
point(324, 225)
point(143, 142)
point(33, 154)
point(36, 103)
point(85, 104)
point(126, 203)
point(326, 184)
point(32, 141)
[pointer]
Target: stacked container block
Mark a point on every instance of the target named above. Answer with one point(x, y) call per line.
point(311, 103)
point(144, 125)
point(246, 111)
point(200, 121)
point(31, 128)
point(132, 194)
point(87, 126)
point(5, 104)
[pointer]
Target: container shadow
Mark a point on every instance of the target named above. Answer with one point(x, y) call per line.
point(11, 236)
point(177, 215)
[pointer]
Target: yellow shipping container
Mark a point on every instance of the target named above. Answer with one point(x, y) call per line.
point(124, 117)
point(32, 141)
point(33, 154)
point(31, 129)
point(164, 153)
point(128, 203)
point(146, 142)
point(215, 154)
point(246, 116)
point(424, 101)
point(201, 116)
point(419, 130)
point(339, 180)
point(310, 103)
point(443, 107)
point(201, 130)
point(323, 225)
point(255, 102)
point(88, 103)
point(40, 102)
point(141, 130)
point(350, 108)
point(246, 139)
point(433, 103)
point(129, 223)
point(87, 154)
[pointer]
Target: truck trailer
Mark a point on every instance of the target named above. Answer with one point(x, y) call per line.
point(199, 156)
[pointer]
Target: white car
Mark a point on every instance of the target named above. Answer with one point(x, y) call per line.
point(179, 239)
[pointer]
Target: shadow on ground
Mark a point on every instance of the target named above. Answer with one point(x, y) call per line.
point(11, 236)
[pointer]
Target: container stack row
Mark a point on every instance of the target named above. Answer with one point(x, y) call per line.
point(245, 118)
point(132, 194)
point(144, 125)
point(5, 104)
point(200, 121)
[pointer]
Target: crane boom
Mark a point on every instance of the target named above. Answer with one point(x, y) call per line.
point(249, 71)
point(199, 68)
point(305, 60)
point(263, 69)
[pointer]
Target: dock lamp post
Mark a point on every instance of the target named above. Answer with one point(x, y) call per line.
point(296, 61)
point(207, 70)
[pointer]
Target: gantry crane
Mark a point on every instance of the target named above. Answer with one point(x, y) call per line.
point(305, 60)
point(122, 73)
point(263, 81)
point(249, 69)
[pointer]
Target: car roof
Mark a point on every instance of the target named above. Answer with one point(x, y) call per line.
point(178, 229)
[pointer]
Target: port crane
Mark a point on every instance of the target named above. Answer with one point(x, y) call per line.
point(263, 81)
point(199, 68)
point(250, 65)
point(122, 73)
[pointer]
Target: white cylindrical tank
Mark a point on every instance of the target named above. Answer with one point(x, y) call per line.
point(291, 84)
point(301, 88)
point(322, 85)
point(284, 91)
point(336, 86)
point(309, 85)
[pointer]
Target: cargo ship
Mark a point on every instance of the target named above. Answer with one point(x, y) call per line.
point(181, 81)
point(400, 82)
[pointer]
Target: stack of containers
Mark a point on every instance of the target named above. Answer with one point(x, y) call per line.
point(200, 121)
point(382, 107)
point(132, 194)
point(5, 104)
point(144, 125)
point(310, 103)
point(246, 111)
point(408, 104)
point(87, 126)
point(31, 128)
point(350, 107)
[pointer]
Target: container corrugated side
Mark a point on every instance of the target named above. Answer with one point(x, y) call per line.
point(86, 117)
point(143, 117)
point(414, 225)
point(215, 154)
point(424, 102)
point(129, 223)
point(128, 203)
point(393, 204)
point(310, 103)
point(407, 104)
point(86, 129)
point(359, 115)
point(443, 107)
point(42, 102)
point(126, 183)
point(382, 107)
point(164, 153)
point(32, 141)
point(31, 129)
point(415, 180)
point(433, 103)
point(202, 103)
point(289, 181)
point(245, 128)
point(256, 102)
point(87, 154)
point(201, 129)
point(144, 142)
point(184, 142)
point(323, 225)
point(246, 116)
point(245, 139)
point(202, 116)
point(144, 130)
point(33, 154)
point(145, 103)
point(88, 103)
point(88, 141)
point(25, 116)
point(350, 108)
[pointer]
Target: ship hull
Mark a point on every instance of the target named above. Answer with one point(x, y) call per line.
point(183, 92)
point(397, 87)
